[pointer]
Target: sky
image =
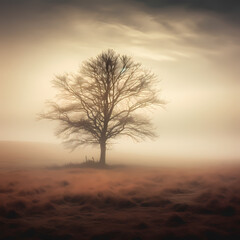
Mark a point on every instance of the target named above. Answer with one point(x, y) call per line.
point(192, 46)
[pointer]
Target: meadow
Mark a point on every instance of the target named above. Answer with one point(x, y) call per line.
point(120, 203)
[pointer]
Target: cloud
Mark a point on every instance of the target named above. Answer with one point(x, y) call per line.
point(227, 9)
point(196, 24)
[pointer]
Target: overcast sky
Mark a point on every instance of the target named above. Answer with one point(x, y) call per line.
point(192, 45)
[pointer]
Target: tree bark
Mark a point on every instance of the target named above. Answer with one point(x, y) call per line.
point(102, 153)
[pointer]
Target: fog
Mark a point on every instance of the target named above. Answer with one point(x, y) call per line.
point(193, 48)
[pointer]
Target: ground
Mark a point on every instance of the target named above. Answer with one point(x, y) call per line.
point(120, 203)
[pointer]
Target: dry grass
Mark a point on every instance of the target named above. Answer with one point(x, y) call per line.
point(120, 203)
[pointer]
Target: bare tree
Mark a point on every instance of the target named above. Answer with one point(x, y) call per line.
point(103, 101)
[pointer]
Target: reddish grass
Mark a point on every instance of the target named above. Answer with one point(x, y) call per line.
point(121, 203)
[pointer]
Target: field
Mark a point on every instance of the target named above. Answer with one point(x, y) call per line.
point(120, 203)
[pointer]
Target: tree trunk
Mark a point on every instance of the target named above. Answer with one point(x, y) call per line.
point(103, 153)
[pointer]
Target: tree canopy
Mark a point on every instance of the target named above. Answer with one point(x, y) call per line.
point(103, 101)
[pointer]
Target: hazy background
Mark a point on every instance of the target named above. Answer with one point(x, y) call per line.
point(193, 46)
